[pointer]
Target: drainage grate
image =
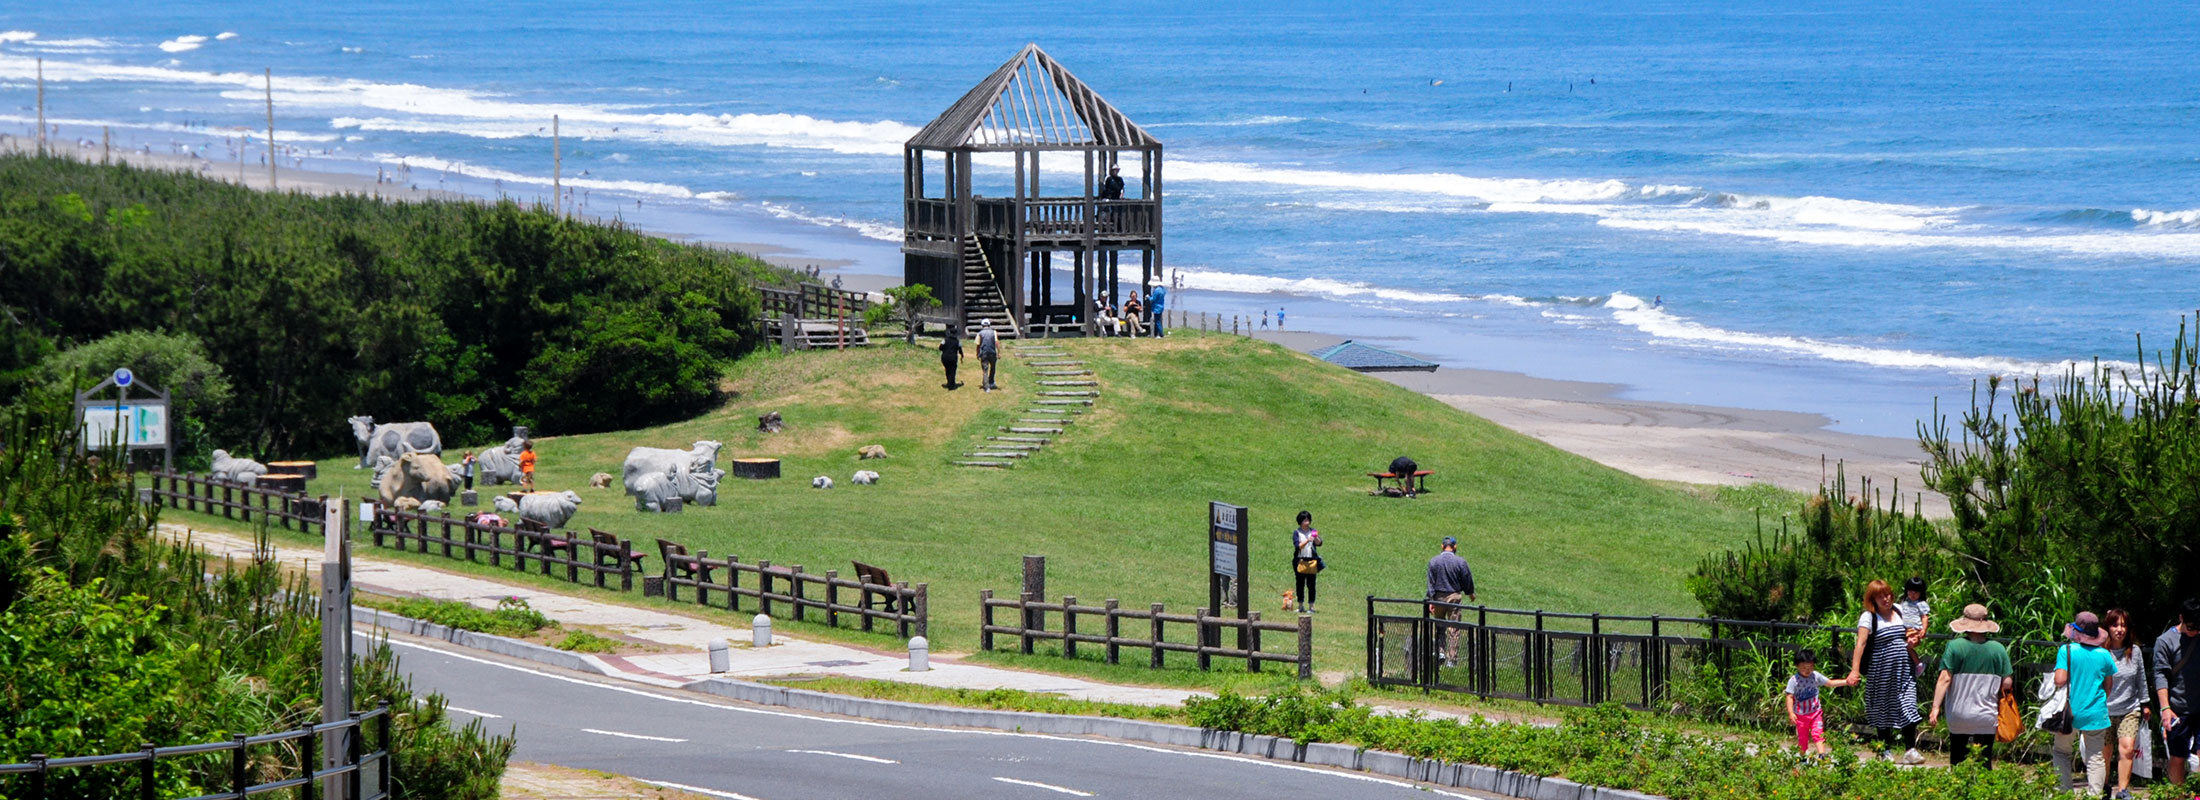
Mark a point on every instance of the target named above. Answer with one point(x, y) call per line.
point(836, 663)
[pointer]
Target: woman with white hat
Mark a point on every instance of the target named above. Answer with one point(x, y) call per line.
point(1974, 674)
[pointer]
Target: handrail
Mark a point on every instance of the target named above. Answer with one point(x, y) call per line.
point(354, 724)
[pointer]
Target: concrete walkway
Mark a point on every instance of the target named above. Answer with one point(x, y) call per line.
point(685, 638)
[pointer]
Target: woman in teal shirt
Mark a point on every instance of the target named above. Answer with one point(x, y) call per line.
point(2087, 672)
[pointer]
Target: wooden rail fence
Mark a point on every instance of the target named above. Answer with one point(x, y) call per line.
point(602, 557)
point(1204, 641)
point(907, 607)
point(30, 779)
point(204, 494)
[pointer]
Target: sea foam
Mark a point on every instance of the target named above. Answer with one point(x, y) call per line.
point(1661, 325)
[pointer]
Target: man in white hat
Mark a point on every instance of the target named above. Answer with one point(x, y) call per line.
point(989, 353)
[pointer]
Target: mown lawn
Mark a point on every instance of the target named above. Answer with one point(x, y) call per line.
point(1118, 504)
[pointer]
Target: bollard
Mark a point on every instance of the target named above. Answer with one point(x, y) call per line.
point(761, 628)
point(721, 656)
point(920, 655)
point(469, 498)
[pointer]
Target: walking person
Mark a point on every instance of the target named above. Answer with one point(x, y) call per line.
point(2127, 705)
point(1306, 560)
point(951, 356)
point(527, 466)
point(1882, 657)
point(1974, 674)
point(2088, 674)
point(1804, 709)
point(1449, 579)
point(989, 354)
point(1158, 300)
point(2176, 672)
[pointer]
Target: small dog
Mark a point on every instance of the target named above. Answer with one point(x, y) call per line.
point(599, 480)
point(821, 482)
point(865, 477)
point(1289, 597)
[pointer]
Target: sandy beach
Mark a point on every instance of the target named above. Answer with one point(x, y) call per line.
point(1659, 441)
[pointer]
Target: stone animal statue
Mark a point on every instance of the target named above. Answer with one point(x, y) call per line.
point(821, 482)
point(701, 458)
point(504, 505)
point(393, 438)
point(699, 488)
point(418, 475)
point(382, 465)
point(432, 507)
point(549, 508)
point(407, 504)
point(871, 451)
point(499, 464)
point(239, 470)
point(865, 477)
point(599, 480)
point(652, 490)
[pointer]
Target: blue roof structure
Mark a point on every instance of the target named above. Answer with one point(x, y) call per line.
point(1369, 358)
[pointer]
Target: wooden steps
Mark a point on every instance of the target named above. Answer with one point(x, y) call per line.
point(1069, 383)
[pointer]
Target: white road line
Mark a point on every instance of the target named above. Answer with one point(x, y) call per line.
point(727, 706)
point(632, 736)
point(481, 714)
point(696, 789)
point(872, 759)
point(1047, 786)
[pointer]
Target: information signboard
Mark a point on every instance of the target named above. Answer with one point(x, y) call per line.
point(1228, 551)
point(135, 424)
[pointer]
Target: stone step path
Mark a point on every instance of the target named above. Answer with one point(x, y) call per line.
point(1031, 439)
point(1057, 363)
point(1069, 394)
point(1014, 429)
point(998, 454)
point(1069, 383)
point(999, 445)
point(1062, 373)
point(1068, 411)
point(1043, 421)
point(1063, 402)
point(1065, 389)
point(993, 464)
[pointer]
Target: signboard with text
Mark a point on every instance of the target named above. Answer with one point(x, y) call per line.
point(135, 424)
point(1228, 553)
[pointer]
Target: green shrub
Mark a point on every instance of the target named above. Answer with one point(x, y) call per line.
point(512, 616)
point(585, 642)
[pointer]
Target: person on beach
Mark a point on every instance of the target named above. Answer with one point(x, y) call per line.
point(2088, 673)
point(2126, 698)
point(1263, 319)
point(527, 466)
point(2175, 673)
point(1890, 682)
point(1134, 315)
point(989, 354)
point(1804, 709)
point(1279, 318)
point(1157, 299)
point(951, 356)
point(466, 469)
point(1974, 674)
point(1449, 579)
point(1306, 560)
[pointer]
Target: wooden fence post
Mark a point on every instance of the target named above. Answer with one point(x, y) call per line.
point(795, 577)
point(764, 587)
point(901, 620)
point(1306, 646)
point(924, 610)
point(985, 620)
point(1155, 651)
point(1199, 621)
point(1252, 641)
point(1069, 626)
point(626, 565)
point(832, 597)
point(733, 583)
point(1023, 609)
point(1115, 630)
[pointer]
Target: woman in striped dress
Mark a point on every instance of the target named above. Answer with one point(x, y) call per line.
point(1883, 657)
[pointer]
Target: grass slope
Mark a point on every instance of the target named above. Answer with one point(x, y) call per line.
point(1118, 504)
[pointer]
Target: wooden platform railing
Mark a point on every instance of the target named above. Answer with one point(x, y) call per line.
point(206, 495)
point(811, 301)
point(546, 550)
point(796, 592)
point(1203, 640)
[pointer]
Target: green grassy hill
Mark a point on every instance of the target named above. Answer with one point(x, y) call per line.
point(1118, 504)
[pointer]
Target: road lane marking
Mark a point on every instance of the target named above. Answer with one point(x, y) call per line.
point(632, 736)
point(481, 714)
point(872, 759)
point(696, 789)
point(1047, 786)
point(728, 705)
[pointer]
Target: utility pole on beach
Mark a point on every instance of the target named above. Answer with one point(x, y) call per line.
point(557, 168)
point(106, 144)
point(42, 107)
point(269, 74)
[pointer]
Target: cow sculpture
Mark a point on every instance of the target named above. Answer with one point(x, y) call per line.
point(552, 509)
point(236, 470)
point(700, 459)
point(393, 439)
point(418, 475)
point(652, 490)
point(501, 464)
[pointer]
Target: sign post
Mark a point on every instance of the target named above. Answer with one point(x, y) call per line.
point(140, 424)
point(1227, 560)
point(336, 642)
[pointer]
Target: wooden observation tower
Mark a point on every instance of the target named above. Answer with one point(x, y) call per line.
point(983, 229)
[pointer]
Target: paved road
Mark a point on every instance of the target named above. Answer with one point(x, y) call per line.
point(729, 750)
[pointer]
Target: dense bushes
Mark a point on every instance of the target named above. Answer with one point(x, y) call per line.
point(473, 316)
point(112, 639)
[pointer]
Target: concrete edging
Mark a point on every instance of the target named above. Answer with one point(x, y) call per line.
point(1396, 765)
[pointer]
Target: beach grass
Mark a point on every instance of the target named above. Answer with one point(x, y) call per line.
point(1118, 504)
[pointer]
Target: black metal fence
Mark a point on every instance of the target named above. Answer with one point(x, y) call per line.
point(365, 774)
point(1585, 659)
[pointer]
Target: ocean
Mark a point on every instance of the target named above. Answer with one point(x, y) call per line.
point(1843, 208)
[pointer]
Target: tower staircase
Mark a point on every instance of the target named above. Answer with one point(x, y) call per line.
point(982, 293)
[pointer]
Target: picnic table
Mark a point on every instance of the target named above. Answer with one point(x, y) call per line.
point(1416, 483)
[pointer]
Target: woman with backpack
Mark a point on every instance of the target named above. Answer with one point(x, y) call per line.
point(1882, 656)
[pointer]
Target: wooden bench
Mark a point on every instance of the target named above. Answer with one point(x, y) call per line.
point(532, 534)
point(1417, 483)
point(676, 559)
point(608, 552)
point(874, 576)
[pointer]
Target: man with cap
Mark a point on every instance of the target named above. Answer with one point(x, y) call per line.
point(2176, 672)
point(1449, 579)
point(2087, 672)
point(1974, 672)
point(989, 353)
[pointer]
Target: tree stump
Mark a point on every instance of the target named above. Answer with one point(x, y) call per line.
point(306, 468)
point(756, 468)
point(287, 483)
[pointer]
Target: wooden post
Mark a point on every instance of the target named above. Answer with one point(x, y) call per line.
point(268, 75)
point(1069, 627)
point(1306, 646)
point(832, 597)
point(1206, 658)
point(764, 587)
point(41, 107)
point(795, 577)
point(1023, 605)
point(1252, 642)
point(923, 610)
point(1155, 651)
point(1115, 630)
point(985, 620)
point(557, 168)
point(106, 144)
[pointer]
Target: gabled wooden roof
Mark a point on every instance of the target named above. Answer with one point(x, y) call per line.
point(1031, 102)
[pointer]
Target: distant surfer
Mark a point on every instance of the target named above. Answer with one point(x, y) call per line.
point(1657, 301)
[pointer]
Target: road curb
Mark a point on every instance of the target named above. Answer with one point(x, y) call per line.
point(1396, 765)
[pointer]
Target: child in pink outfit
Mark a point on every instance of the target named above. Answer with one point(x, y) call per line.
point(1802, 702)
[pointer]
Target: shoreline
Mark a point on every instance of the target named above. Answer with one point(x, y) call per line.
point(1663, 441)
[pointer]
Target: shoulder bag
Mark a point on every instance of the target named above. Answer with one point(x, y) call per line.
point(2055, 712)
